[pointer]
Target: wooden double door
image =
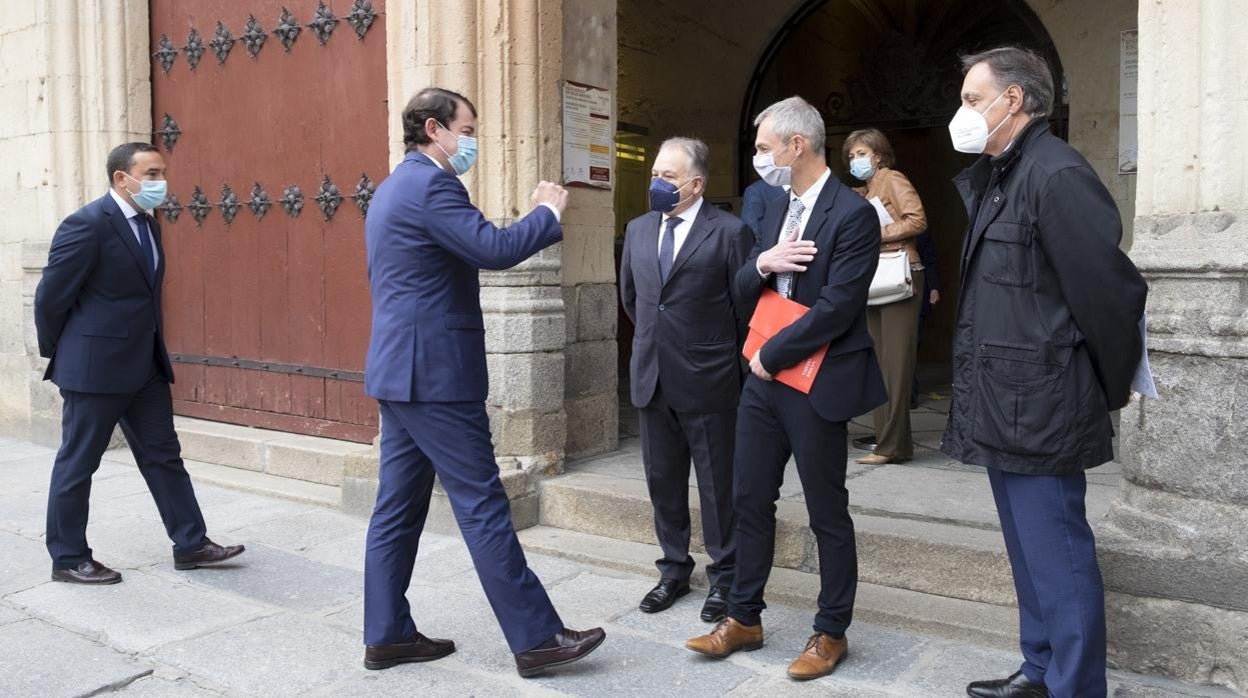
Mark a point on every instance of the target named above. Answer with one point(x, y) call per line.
point(272, 117)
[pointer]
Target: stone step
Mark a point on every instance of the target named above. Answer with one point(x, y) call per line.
point(956, 619)
point(359, 494)
point(932, 557)
point(261, 483)
point(309, 458)
point(247, 480)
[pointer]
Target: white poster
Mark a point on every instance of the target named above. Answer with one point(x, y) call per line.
point(587, 135)
point(1128, 79)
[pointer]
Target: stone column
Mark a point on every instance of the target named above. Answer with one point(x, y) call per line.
point(506, 56)
point(1175, 549)
point(589, 292)
point(75, 82)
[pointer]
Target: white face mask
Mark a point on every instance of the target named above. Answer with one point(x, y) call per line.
point(969, 128)
point(773, 174)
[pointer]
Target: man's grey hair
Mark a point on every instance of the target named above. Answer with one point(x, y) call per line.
point(1011, 65)
point(699, 155)
point(794, 116)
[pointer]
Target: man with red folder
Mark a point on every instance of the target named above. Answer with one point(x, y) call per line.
point(819, 247)
point(773, 314)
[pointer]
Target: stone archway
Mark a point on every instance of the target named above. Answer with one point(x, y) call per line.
point(908, 77)
point(685, 69)
point(894, 66)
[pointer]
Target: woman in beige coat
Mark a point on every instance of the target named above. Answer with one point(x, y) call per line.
point(894, 326)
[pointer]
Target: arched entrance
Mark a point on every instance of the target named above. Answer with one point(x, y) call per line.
point(893, 65)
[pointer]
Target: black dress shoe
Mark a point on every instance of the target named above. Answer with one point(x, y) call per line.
point(1016, 686)
point(565, 647)
point(663, 595)
point(716, 604)
point(418, 649)
point(89, 572)
point(209, 554)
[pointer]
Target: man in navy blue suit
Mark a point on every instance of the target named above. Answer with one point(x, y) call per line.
point(98, 318)
point(426, 367)
point(819, 246)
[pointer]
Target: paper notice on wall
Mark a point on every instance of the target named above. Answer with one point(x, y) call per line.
point(1128, 81)
point(587, 136)
point(1142, 382)
point(885, 219)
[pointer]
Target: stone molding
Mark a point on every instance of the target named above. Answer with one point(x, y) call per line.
point(86, 69)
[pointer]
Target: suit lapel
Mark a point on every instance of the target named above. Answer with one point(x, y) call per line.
point(823, 206)
point(122, 227)
point(160, 250)
point(815, 227)
point(698, 233)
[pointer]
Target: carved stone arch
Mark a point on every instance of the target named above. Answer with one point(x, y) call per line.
point(914, 46)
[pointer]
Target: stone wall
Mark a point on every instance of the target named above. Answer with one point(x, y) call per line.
point(1176, 555)
point(1089, 49)
point(684, 72)
point(589, 295)
point(74, 82)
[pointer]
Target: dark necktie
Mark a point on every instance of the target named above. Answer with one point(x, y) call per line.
point(145, 242)
point(667, 248)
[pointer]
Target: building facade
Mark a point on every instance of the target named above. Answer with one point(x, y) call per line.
point(276, 122)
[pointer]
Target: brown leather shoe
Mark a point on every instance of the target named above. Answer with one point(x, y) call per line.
point(873, 459)
point(418, 649)
point(823, 652)
point(728, 636)
point(89, 572)
point(209, 554)
point(566, 647)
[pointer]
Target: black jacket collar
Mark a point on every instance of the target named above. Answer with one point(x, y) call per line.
point(976, 176)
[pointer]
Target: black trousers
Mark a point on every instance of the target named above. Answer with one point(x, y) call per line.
point(668, 440)
point(775, 421)
point(87, 422)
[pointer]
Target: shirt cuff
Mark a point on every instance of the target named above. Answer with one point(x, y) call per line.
point(552, 210)
point(760, 270)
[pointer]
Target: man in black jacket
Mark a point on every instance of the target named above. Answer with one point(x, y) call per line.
point(98, 318)
point(1046, 344)
point(676, 286)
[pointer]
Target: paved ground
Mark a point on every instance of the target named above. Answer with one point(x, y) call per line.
point(286, 619)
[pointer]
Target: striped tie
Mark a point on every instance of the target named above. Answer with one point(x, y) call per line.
point(792, 228)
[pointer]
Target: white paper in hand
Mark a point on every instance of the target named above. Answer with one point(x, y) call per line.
point(885, 219)
point(1143, 383)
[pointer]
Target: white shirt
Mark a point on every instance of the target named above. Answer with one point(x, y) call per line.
point(547, 205)
point(808, 199)
point(128, 211)
point(682, 228)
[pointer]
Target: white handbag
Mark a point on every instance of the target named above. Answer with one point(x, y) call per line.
point(892, 280)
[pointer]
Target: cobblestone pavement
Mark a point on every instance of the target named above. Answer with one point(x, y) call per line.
point(286, 619)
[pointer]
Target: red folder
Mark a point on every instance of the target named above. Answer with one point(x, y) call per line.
point(774, 313)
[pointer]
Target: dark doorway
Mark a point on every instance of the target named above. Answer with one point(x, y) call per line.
point(893, 65)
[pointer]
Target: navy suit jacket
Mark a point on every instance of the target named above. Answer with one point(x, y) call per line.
point(97, 316)
point(846, 231)
point(426, 242)
point(689, 330)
